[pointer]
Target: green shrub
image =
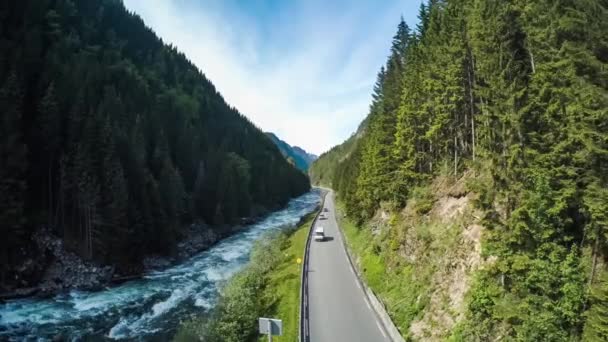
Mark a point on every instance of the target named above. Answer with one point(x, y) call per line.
point(422, 199)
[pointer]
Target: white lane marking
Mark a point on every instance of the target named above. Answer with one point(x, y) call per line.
point(381, 330)
point(369, 306)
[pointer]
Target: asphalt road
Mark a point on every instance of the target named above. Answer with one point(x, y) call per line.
point(338, 308)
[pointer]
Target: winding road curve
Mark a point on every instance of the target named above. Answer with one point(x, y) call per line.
point(338, 307)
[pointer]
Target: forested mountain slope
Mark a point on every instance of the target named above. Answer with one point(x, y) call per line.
point(508, 99)
point(116, 140)
point(323, 170)
point(294, 154)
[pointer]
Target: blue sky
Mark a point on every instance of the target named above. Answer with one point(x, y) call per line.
point(303, 69)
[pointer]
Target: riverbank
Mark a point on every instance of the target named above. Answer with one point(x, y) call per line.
point(52, 268)
point(151, 307)
point(269, 286)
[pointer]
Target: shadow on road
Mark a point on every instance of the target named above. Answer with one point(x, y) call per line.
point(326, 239)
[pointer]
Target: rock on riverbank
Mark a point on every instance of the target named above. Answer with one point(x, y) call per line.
point(66, 270)
point(49, 267)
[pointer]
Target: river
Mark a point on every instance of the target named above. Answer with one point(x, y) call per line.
point(147, 308)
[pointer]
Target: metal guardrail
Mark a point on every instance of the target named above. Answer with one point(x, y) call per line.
point(304, 327)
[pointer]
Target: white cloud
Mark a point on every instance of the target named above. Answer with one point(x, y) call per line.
point(304, 71)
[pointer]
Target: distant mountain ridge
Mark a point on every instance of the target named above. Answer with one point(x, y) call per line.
point(295, 154)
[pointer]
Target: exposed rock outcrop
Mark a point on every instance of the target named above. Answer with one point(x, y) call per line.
point(65, 269)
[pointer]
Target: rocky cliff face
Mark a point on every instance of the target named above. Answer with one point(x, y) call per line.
point(452, 251)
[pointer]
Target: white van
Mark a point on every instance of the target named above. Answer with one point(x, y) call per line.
point(319, 234)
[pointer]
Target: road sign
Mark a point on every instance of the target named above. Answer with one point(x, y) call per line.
point(270, 326)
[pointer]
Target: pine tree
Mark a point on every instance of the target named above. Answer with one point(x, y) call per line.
point(596, 328)
point(115, 213)
point(376, 158)
point(172, 192)
point(198, 194)
point(49, 127)
point(423, 20)
point(233, 199)
point(14, 164)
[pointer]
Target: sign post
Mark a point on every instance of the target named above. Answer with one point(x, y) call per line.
point(271, 327)
point(270, 330)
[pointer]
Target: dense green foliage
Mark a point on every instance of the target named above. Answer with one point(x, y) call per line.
point(116, 140)
point(294, 154)
point(517, 91)
point(268, 287)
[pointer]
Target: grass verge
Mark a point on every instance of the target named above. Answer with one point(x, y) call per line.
point(284, 285)
point(269, 286)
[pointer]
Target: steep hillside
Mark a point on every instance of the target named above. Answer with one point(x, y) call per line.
point(328, 169)
point(509, 97)
point(294, 154)
point(116, 141)
point(310, 158)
